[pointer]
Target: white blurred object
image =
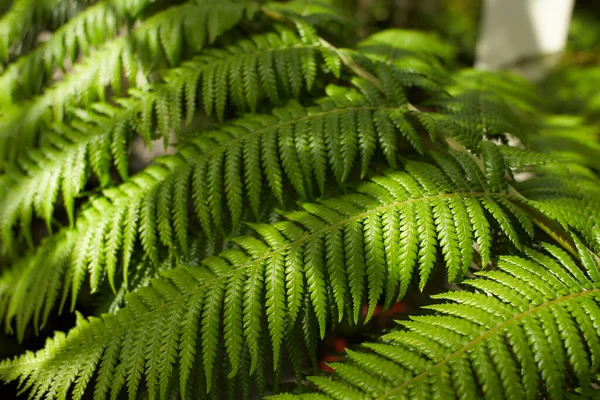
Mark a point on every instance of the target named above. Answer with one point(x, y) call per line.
point(525, 36)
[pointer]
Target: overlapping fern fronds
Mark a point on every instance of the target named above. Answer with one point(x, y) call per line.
point(279, 66)
point(25, 18)
point(164, 36)
point(310, 183)
point(289, 147)
point(323, 261)
point(27, 75)
point(527, 329)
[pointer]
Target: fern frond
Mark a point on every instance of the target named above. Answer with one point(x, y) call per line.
point(145, 45)
point(278, 66)
point(364, 245)
point(521, 331)
point(27, 75)
point(407, 70)
point(520, 158)
point(509, 88)
point(282, 216)
point(287, 147)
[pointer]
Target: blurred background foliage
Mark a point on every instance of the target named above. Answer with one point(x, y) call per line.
point(571, 86)
point(456, 21)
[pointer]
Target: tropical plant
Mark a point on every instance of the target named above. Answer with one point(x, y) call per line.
point(316, 178)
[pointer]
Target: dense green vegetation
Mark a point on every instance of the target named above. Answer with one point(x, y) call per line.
point(323, 164)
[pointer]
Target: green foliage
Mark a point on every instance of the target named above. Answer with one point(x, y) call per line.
point(163, 36)
point(512, 333)
point(25, 18)
point(91, 27)
point(314, 179)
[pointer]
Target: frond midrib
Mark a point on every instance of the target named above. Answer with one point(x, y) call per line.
point(152, 310)
point(484, 335)
point(340, 223)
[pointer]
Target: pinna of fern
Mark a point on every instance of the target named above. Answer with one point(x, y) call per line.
point(324, 261)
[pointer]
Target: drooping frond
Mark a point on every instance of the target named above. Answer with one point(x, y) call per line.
point(325, 261)
point(222, 173)
point(519, 158)
point(526, 330)
point(164, 36)
point(25, 18)
point(512, 89)
point(273, 66)
point(91, 27)
point(312, 13)
point(414, 67)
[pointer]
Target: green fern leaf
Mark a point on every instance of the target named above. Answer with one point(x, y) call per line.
point(494, 166)
point(491, 344)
